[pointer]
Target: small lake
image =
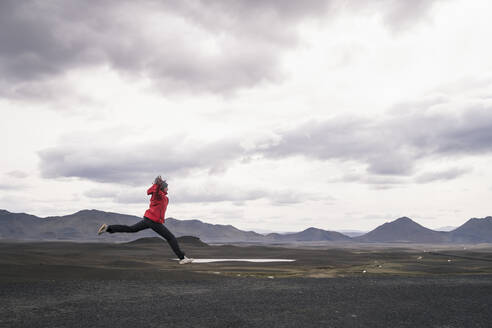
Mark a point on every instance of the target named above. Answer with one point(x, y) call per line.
point(241, 260)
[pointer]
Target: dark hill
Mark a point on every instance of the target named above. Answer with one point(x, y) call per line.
point(188, 240)
point(191, 240)
point(310, 234)
point(473, 231)
point(147, 241)
point(403, 230)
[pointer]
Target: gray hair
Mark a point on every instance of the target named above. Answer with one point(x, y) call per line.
point(162, 183)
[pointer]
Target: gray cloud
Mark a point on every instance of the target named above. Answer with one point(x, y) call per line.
point(121, 196)
point(137, 164)
point(389, 145)
point(205, 194)
point(4, 186)
point(14, 180)
point(201, 46)
point(375, 181)
point(214, 194)
point(398, 16)
point(402, 14)
point(388, 182)
point(289, 197)
point(17, 174)
point(348, 139)
point(239, 195)
point(449, 174)
point(471, 133)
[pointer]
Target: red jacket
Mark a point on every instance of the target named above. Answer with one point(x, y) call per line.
point(158, 204)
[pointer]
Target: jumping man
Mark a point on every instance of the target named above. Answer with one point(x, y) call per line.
point(153, 218)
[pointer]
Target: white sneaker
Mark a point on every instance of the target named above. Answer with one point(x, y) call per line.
point(102, 229)
point(185, 260)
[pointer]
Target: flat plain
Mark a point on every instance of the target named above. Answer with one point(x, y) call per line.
point(67, 284)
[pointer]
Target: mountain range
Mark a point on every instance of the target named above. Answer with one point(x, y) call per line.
point(82, 226)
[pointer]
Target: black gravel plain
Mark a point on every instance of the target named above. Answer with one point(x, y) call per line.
point(250, 302)
point(42, 287)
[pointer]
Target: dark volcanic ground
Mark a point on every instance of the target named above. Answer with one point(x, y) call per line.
point(137, 285)
point(250, 302)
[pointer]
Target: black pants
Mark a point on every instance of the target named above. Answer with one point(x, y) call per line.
point(157, 227)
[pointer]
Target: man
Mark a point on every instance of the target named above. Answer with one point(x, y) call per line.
point(153, 218)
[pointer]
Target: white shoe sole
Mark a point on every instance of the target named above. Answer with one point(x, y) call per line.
point(185, 261)
point(102, 229)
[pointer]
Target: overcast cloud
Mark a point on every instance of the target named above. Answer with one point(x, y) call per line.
point(182, 46)
point(261, 114)
point(388, 145)
point(444, 175)
point(136, 164)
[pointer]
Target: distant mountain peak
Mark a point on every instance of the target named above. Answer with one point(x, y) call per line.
point(477, 221)
point(404, 219)
point(402, 229)
point(310, 234)
point(313, 229)
point(488, 218)
point(474, 230)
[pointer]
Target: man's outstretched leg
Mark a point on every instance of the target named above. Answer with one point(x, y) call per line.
point(164, 232)
point(141, 225)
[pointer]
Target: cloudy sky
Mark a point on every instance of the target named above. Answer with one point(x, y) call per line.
point(266, 115)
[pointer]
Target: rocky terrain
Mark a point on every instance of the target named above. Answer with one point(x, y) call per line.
point(67, 284)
